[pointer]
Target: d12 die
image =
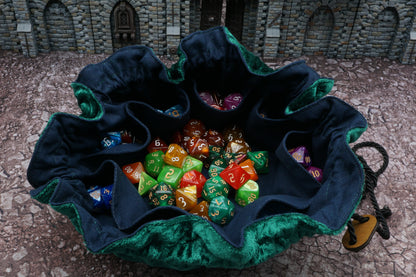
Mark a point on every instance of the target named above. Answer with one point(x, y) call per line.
point(247, 193)
point(221, 210)
point(235, 176)
point(260, 160)
point(201, 210)
point(170, 175)
point(193, 178)
point(301, 155)
point(154, 163)
point(156, 145)
point(215, 187)
point(186, 198)
point(133, 172)
point(162, 195)
point(146, 183)
point(175, 155)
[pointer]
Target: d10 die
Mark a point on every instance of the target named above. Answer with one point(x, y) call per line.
point(193, 178)
point(221, 210)
point(316, 173)
point(162, 195)
point(260, 160)
point(198, 148)
point(170, 175)
point(154, 163)
point(215, 187)
point(133, 172)
point(156, 145)
point(194, 128)
point(175, 155)
point(191, 163)
point(235, 176)
point(301, 155)
point(146, 183)
point(201, 210)
point(186, 198)
point(248, 166)
point(247, 193)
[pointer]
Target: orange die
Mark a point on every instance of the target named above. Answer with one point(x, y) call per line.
point(186, 198)
point(198, 148)
point(202, 210)
point(175, 155)
point(193, 178)
point(248, 166)
point(156, 145)
point(194, 128)
point(133, 171)
point(235, 176)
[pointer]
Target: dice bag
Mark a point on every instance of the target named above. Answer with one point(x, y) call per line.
point(282, 108)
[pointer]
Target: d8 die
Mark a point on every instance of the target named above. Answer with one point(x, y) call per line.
point(201, 210)
point(301, 155)
point(191, 163)
point(221, 210)
point(175, 155)
point(154, 163)
point(193, 178)
point(215, 187)
point(146, 183)
point(161, 195)
point(186, 198)
point(235, 176)
point(156, 145)
point(170, 175)
point(316, 173)
point(247, 193)
point(260, 160)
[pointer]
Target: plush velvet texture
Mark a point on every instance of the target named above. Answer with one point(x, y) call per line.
point(281, 109)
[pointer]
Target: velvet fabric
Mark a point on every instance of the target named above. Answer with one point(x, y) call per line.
point(281, 109)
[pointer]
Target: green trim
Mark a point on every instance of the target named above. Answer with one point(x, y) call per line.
point(71, 212)
point(45, 194)
point(176, 73)
point(87, 102)
point(316, 91)
point(355, 133)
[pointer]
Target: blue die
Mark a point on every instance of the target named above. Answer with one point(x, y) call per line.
point(175, 111)
point(111, 139)
point(102, 197)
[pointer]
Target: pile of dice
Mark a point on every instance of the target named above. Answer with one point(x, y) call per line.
point(214, 99)
point(301, 155)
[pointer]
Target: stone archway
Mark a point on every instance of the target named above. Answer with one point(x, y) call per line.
point(125, 27)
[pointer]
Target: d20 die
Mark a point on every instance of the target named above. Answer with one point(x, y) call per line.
point(215, 187)
point(133, 172)
point(221, 210)
point(193, 178)
point(146, 183)
point(191, 163)
point(301, 155)
point(235, 176)
point(154, 163)
point(170, 175)
point(201, 210)
point(260, 160)
point(162, 195)
point(247, 193)
point(156, 145)
point(186, 198)
point(175, 155)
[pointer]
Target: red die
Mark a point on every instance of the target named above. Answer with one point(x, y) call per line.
point(235, 176)
point(198, 148)
point(133, 172)
point(156, 145)
point(193, 178)
point(214, 138)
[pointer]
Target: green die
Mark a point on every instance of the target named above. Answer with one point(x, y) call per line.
point(228, 157)
point(260, 160)
point(146, 183)
point(170, 175)
point(162, 195)
point(221, 210)
point(247, 193)
point(154, 163)
point(191, 163)
point(214, 171)
point(215, 187)
point(215, 152)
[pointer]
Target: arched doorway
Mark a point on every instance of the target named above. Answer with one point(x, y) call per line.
point(124, 25)
point(210, 13)
point(234, 17)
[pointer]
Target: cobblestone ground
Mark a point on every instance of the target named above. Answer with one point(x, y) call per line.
point(37, 241)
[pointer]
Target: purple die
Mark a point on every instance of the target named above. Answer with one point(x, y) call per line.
point(232, 101)
point(111, 139)
point(207, 98)
point(301, 155)
point(175, 111)
point(316, 173)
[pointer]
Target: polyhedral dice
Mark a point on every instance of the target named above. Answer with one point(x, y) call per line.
point(214, 138)
point(216, 166)
point(301, 155)
point(111, 139)
point(221, 210)
point(207, 97)
point(193, 178)
point(215, 152)
point(248, 166)
point(316, 173)
point(186, 198)
point(260, 160)
point(201, 210)
point(214, 187)
point(237, 146)
point(247, 193)
point(102, 197)
point(232, 101)
point(170, 175)
point(146, 183)
point(198, 148)
point(126, 137)
point(175, 111)
point(194, 128)
point(133, 172)
point(154, 163)
point(175, 155)
point(191, 163)
point(231, 133)
point(156, 145)
point(161, 195)
point(235, 176)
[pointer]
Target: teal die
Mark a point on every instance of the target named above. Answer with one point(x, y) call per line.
point(191, 163)
point(221, 210)
point(214, 187)
point(154, 163)
point(215, 152)
point(260, 160)
point(170, 175)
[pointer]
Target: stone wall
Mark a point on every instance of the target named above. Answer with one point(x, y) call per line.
point(269, 28)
